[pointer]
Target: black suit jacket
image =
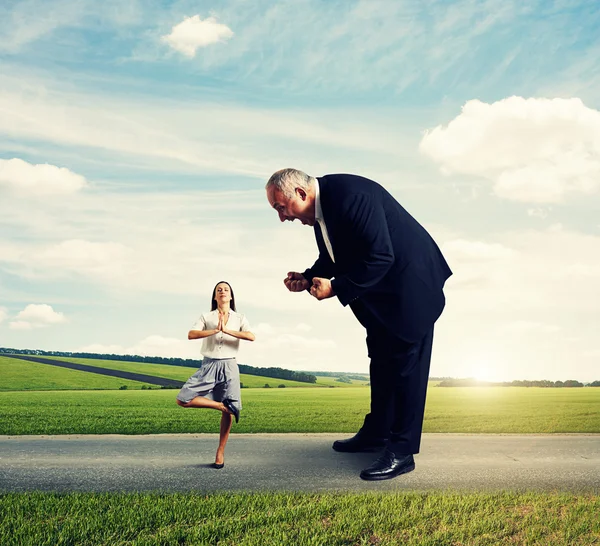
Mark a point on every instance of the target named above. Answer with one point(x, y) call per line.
point(387, 267)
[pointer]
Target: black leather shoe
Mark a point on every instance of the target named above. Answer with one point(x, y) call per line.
point(359, 443)
point(218, 465)
point(388, 466)
point(232, 409)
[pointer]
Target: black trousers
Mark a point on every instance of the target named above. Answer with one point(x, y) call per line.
point(399, 373)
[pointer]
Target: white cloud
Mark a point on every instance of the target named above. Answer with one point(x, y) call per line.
point(534, 150)
point(199, 136)
point(193, 33)
point(263, 328)
point(99, 348)
point(164, 247)
point(527, 311)
point(281, 346)
point(20, 325)
point(277, 337)
point(37, 316)
point(26, 179)
point(527, 327)
point(3, 314)
point(540, 270)
point(539, 212)
point(153, 345)
point(467, 251)
point(98, 259)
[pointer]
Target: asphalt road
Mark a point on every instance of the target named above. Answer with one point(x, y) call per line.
point(293, 462)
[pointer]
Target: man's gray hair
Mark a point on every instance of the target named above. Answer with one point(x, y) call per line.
point(287, 180)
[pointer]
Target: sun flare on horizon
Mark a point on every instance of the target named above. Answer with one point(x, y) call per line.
point(485, 367)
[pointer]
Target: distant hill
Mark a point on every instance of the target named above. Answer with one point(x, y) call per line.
point(359, 377)
point(276, 373)
point(470, 382)
point(349, 375)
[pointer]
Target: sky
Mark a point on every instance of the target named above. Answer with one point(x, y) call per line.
point(136, 139)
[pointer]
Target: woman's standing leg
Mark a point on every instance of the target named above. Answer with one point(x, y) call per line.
point(226, 421)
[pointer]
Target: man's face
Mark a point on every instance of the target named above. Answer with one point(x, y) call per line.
point(299, 207)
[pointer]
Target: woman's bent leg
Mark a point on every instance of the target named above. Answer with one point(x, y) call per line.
point(201, 402)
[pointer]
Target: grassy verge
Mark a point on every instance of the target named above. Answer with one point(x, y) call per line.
point(465, 410)
point(424, 519)
point(21, 375)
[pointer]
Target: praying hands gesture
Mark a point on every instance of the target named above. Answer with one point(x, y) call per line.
point(222, 322)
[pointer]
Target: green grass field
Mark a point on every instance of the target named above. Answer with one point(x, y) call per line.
point(459, 409)
point(299, 519)
point(23, 375)
point(412, 518)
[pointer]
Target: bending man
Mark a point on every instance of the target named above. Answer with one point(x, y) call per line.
point(378, 260)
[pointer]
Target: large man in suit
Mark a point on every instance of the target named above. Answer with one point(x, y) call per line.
point(376, 258)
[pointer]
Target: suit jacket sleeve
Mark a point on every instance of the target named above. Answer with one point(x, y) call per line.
point(365, 228)
point(323, 267)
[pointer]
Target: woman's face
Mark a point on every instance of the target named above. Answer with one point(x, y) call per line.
point(222, 293)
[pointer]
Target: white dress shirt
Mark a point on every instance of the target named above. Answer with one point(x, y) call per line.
point(319, 218)
point(221, 345)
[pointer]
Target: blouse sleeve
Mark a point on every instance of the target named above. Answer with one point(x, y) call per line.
point(200, 324)
point(245, 326)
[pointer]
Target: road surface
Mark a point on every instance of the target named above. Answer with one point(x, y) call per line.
point(293, 462)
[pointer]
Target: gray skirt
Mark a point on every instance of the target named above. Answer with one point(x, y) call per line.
point(217, 379)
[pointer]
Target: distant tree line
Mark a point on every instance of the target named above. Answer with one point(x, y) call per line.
point(355, 377)
point(469, 382)
point(277, 373)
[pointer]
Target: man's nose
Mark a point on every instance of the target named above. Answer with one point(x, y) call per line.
point(282, 216)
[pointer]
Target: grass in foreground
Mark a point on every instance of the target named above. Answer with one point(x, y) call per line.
point(461, 409)
point(424, 519)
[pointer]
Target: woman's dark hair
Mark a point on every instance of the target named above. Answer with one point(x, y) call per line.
point(213, 302)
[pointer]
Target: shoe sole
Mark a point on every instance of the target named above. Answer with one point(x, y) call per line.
point(373, 449)
point(405, 470)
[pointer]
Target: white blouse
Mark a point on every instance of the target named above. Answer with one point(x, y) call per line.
point(221, 345)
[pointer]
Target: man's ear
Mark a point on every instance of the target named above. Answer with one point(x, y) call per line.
point(301, 193)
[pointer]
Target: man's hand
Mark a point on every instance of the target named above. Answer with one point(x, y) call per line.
point(295, 282)
point(321, 288)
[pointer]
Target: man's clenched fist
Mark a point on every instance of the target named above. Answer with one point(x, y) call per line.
point(321, 288)
point(295, 282)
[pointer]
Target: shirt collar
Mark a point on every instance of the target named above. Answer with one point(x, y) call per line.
point(318, 210)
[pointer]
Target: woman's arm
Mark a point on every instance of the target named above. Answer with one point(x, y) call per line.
point(199, 334)
point(248, 336)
